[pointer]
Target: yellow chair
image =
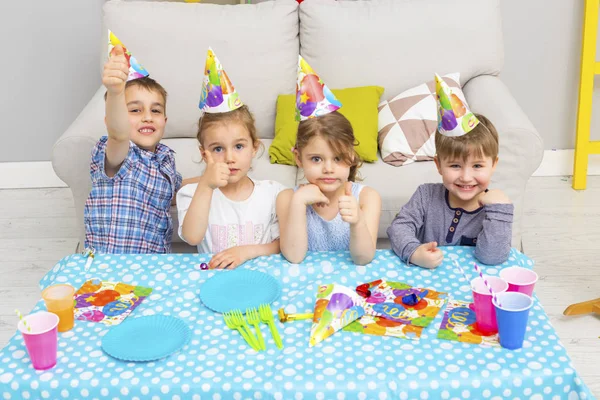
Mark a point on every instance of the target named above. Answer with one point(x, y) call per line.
point(589, 68)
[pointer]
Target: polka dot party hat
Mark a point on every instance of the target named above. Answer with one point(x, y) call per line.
point(218, 93)
point(136, 70)
point(454, 117)
point(313, 97)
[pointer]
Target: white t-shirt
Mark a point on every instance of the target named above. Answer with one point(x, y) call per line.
point(235, 223)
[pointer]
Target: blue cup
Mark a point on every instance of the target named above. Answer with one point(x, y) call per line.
point(512, 318)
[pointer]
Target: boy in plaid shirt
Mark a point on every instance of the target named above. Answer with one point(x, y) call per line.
point(133, 176)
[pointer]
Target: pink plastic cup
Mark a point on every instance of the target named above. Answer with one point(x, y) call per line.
point(42, 338)
point(519, 279)
point(485, 314)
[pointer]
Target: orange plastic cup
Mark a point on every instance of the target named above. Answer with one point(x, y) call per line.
point(59, 301)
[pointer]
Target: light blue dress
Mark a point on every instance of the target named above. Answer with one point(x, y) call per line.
point(331, 235)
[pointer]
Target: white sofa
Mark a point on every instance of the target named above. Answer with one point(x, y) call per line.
point(391, 43)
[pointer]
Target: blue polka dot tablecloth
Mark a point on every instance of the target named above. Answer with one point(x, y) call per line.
point(218, 364)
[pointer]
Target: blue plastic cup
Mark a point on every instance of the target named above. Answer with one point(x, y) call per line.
point(512, 318)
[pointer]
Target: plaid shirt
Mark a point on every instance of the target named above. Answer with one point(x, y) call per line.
point(129, 212)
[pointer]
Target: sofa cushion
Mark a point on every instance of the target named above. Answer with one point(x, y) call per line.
point(396, 186)
point(262, 168)
point(400, 44)
point(257, 44)
point(359, 105)
point(407, 123)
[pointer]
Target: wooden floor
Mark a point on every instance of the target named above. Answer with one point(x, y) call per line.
point(562, 235)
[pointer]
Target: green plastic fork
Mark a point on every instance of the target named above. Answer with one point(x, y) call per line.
point(266, 316)
point(229, 321)
point(254, 319)
point(239, 320)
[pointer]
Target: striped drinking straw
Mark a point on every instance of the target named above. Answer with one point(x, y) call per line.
point(487, 284)
point(21, 319)
point(462, 271)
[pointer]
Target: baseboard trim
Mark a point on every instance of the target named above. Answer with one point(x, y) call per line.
point(39, 174)
point(560, 163)
point(28, 175)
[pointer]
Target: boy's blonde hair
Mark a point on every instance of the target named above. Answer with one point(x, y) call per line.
point(481, 142)
point(337, 131)
point(150, 85)
point(241, 115)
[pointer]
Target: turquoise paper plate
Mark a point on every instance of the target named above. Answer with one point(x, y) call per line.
point(239, 290)
point(146, 338)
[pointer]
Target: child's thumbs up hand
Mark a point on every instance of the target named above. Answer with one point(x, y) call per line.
point(427, 255)
point(216, 174)
point(348, 205)
point(116, 71)
point(348, 188)
point(208, 158)
point(117, 51)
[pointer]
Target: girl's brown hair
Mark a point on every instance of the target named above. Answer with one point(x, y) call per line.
point(241, 115)
point(337, 131)
point(481, 142)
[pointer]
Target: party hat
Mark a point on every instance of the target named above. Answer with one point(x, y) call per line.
point(218, 94)
point(313, 97)
point(336, 307)
point(454, 117)
point(136, 70)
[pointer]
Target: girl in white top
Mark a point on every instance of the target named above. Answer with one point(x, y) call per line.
point(227, 213)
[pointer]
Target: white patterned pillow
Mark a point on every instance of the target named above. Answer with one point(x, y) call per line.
point(407, 123)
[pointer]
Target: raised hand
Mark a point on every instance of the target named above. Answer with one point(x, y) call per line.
point(116, 71)
point(216, 174)
point(427, 255)
point(348, 205)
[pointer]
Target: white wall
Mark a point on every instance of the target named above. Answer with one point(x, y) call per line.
point(542, 41)
point(49, 69)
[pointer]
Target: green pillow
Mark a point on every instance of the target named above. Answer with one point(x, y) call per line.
point(359, 105)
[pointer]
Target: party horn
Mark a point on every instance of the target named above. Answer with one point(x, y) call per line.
point(284, 317)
